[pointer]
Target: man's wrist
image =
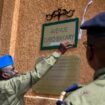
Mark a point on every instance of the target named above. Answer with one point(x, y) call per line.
point(56, 55)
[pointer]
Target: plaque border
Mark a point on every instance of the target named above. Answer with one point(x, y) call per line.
point(76, 20)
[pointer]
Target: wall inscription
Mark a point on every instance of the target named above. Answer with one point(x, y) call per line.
point(64, 73)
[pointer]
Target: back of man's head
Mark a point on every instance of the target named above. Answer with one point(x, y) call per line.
point(6, 67)
point(96, 36)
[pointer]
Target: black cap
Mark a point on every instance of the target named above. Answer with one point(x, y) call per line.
point(96, 25)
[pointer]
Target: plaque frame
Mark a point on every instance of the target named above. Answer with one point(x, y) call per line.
point(46, 27)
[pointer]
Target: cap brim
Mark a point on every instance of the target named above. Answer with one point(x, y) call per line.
point(87, 25)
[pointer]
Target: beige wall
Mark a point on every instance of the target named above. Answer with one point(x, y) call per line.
point(31, 17)
point(6, 25)
point(20, 33)
point(1, 8)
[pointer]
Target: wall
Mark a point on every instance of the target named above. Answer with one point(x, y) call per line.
point(20, 34)
point(7, 9)
point(1, 8)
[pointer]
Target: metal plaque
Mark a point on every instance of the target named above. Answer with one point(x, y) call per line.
point(56, 32)
point(62, 74)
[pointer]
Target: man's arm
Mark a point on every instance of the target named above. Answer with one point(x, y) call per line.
point(22, 83)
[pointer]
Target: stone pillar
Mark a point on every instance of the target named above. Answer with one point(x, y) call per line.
point(14, 27)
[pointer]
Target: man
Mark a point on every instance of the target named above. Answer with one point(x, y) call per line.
point(14, 86)
point(93, 93)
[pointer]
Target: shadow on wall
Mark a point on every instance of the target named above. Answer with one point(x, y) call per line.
point(1, 9)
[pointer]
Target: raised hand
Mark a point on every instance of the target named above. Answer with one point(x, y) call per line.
point(64, 46)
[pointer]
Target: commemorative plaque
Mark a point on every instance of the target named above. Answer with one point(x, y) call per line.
point(64, 73)
point(56, 32)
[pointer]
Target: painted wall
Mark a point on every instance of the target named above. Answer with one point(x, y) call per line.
point(20, 34)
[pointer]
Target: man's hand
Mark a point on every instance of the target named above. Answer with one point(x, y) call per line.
point(64, 46)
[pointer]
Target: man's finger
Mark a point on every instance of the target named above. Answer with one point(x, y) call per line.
point(68, 41)
point(68, 47)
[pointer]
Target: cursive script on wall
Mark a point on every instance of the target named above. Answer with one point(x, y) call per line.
point(60, 12)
